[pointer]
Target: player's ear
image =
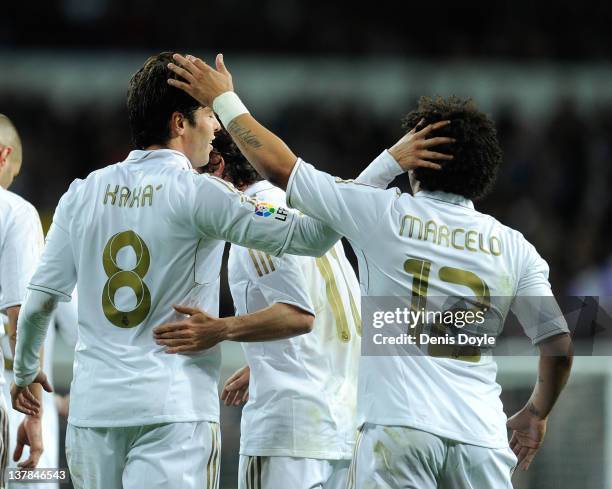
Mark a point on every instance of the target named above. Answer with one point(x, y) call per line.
point(5, 152)
point(177, 124)
point(220, 167)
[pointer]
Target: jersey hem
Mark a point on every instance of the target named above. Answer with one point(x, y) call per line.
point(282, 452)
point(549, 334)
point(290, 182)
point(449, 434)
point(289, 302)
point(106, 423)
point(5, 305)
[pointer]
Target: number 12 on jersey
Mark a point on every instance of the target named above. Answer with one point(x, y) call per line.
point(421, 270)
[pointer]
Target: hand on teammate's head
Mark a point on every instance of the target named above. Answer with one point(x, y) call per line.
point(201, 81)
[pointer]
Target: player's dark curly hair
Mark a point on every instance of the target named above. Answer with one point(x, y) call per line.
point(237, 168)
point(477, 153)
point(151, 102)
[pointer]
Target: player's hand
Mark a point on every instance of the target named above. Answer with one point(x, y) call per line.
point(528, 431)
point(29, 433)
point(23, 399)
point(199, 331)
point(236, 389)
point(414, 150)
point(200, 80)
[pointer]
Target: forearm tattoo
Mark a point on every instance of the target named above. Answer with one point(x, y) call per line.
point(244, 135)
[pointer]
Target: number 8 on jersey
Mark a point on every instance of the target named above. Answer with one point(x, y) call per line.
point(133, 279)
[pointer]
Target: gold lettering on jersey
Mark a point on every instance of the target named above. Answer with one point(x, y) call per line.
point(454, 239)
point(495, 245)
point(147, 194)
point(481, 244)
point(431, 228)
point(441, 235)
point(136, 197)
point(412, 220)
point(126, 197)
point(112, 195)
point(470, 239)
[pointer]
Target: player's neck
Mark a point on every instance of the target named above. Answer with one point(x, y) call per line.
point(175, 144)
point(170, 145)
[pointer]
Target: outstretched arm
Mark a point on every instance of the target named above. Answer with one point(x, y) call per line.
point(201, 331)
point(272, 158)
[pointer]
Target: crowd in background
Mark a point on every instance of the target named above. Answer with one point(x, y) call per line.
point(516, 29)
point(553, 185)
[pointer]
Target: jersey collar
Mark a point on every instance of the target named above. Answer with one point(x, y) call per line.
point(167, 156)
point(445, 197)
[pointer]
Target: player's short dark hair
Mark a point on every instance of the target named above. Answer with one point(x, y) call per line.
point(151, 102)
point(237, 169)
point(477, 153)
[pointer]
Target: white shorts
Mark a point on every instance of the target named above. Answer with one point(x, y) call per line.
point(397, 457)
point(291, 472)
point(168, 456)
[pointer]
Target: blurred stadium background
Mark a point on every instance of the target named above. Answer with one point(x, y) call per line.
point(334, 80)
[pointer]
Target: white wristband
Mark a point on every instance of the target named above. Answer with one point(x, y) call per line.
point(228, 106)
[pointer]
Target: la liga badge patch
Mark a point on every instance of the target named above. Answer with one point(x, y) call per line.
point(264, 209)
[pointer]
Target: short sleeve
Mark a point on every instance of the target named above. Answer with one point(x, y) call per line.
point(346, 206)
point(279, 279)
point(19, 255)
point(222, 212)
point(56, 273)
point(534, 303)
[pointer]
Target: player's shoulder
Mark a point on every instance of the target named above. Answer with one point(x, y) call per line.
point(75, 188)
point(515, 241)
point(98, 175)
point(12, 204)
point(265, 191)
point(507, 230)
point(11, 200)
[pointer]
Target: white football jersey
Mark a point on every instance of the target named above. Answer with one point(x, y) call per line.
point(137, 237)
point(21, 241)
point(432, 244)
point(303, 390)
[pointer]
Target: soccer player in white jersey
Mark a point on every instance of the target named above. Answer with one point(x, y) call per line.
point(298, 428)
point(21, 241)
point(426, 422)
point(137, 237)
